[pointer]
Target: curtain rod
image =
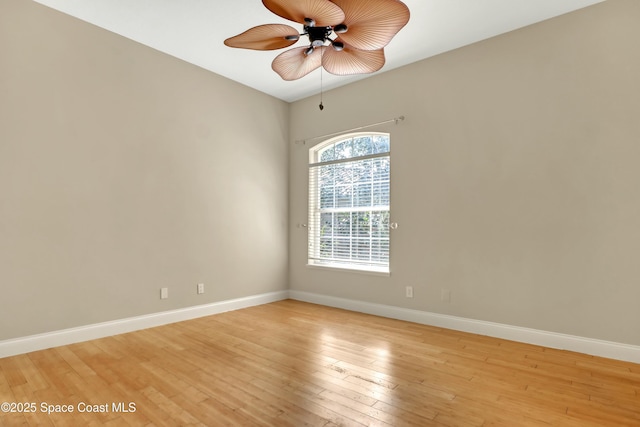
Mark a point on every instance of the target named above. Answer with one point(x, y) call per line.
point(395, 119)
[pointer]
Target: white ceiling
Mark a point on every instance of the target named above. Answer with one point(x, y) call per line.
point(194, 31)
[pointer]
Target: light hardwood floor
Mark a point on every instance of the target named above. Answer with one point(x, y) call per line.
point(294, 364)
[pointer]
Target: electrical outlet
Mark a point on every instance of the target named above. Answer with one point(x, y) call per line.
point(409, 291)
point(200, 288)
point(164, 293)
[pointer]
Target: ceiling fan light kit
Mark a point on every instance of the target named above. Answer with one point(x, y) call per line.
point(345, 36)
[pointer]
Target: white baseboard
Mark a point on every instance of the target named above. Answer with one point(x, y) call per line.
point(30, 343)
point(589, 346)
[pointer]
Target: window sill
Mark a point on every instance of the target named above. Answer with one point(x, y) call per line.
point(350, 269)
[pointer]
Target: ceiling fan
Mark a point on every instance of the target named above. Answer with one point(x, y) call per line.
point(345, 36)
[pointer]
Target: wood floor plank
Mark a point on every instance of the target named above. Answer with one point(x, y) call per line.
point(297, 364)
point(5, 388)
point(13, 376)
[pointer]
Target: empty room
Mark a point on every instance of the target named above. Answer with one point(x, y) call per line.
point(325, 213)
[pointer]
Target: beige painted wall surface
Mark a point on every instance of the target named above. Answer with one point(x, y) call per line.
point(123, 170)
point(515, 178)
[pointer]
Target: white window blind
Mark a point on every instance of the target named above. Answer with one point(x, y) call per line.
point(349, 198)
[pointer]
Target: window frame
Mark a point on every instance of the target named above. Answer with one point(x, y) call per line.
point(381, 212)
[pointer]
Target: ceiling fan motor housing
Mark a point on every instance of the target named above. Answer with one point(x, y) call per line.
point(318, 35)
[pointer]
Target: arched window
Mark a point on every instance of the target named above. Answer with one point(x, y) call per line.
point(349, 193)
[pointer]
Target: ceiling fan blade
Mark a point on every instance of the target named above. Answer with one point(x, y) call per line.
point(352, 61)
point(372, 23)
point(264, 37)
point(323, 12)
point(294, 64)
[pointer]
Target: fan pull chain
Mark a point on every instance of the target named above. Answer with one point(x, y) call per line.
point(321, 106)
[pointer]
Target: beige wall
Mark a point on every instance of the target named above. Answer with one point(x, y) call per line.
point(516, 182)
point(123, 170)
